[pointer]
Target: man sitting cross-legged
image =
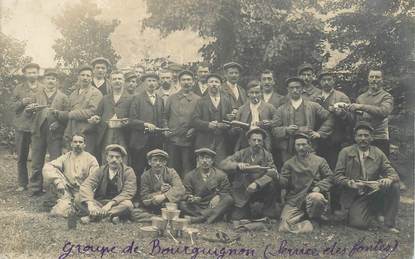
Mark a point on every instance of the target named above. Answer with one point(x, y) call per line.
point(208, 191)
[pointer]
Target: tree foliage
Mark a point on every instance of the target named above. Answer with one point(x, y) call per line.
point(84, 36)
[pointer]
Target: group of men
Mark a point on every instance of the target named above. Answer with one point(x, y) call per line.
point(217, 149)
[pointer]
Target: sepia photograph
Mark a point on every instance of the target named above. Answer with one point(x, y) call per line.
point(207, 129)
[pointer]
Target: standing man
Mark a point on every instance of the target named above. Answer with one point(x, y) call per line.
point(146, 115)
point(254, 175)
point(307, 179)
point(358, 165)
point(113, 109)
point(178, 115)
point(167, 88)
point(208, 116)
point(139, 71)
point(208, 191)
point(256, 113)
point(64, 175)
point(101, 67)
point(131, 85)
point(377, 105)
point(232, 71)
point(83, 103)
point(200, 87)
point(306, 73)
point(160, 184)
point(299, 115)
point(23, 95)
point(107, 192)
point(47, 130)
point(269, 92)
point(330, 147)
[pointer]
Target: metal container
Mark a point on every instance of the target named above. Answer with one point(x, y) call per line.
point(150, 231)
point(170, 214)
point(159, 222)
point(171, 206)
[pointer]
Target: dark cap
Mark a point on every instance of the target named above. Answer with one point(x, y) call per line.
point(185, 72)
point(215, 76)
point(232, 64)
point(85, 67)
point(50, 72)
point(252, 84)
point(324, 73)
point(205, 151)
point(129, 75)
point(30, 65)
point(256, 130)
point(157, 152)
point(149, 75)
point(363, 125)
point(301, 135)
point(101, 60)
point(304, 66)
point(117, 148)
point(294, 79)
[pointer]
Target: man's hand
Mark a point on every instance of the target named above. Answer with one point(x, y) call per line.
point(355, 106)
point(150, 127)
point(167, 133)
point(93, 209)
point(108, 206)
point(252, 187)
point(60, 188)
point(243, 166)
point(190, 133)
point(214, 201)
point(222, 125)
point(355, 185)
point(194, 199)
point(94, 119)
point(54, 126)
point(314, 135)
point(264, 124)
point(316, 189)
point(385, 182)
point(213, 125)
point(124, 122)
point(159, 198)
point(165, 187)
point(292, 129)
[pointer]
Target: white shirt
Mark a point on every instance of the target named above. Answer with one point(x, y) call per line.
point(215, 100)
point(254, 114)
point(234, 90)
point(362, 156)
point(112, 173)
point(116, 96)
point(152, 97)
point(98, 82)
point(296, 103)
point(267, 96)
point(32, 86)
point(203, 88)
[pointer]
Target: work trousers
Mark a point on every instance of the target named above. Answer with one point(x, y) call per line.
point(22, 139)
point(181, 158)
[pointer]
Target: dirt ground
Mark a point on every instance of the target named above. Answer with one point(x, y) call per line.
point(28, 232)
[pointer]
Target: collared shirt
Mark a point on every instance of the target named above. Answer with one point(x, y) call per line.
point(267, 96)
point(152, 97)
point(205, 176)
point(363, 156)
point(164, 94)
point(325, 94)
point(83, 90)
point(98, 82)
point(116, 97)
point(202, 88)
point(215, 100)
point(112, 173)
point(32, 86)
point(254, 114)
point(296, 103)
point(234, 89)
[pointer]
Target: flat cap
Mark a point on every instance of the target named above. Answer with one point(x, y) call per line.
point(30, 65)
point(117, 148)
point(85, 67)
point(205, 150)
point(149, 75)
point(232, 64)
point(129, 75)
point(252, 84)
point(50, 72)
point(256, 130)
point(301, 135)
point(324, 73)
point(363, 125)
point(101, 60)
point(185, 72)
point(157, 152)
point(294, 79)
point(304, 66)
point(215, 75)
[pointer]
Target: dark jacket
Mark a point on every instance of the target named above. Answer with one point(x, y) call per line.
point(142, 111)
point(151, 186)
point(236, 103)
point(277, 100)
point(95, 186)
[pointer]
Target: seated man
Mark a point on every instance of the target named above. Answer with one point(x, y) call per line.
point(160, 184)
point(254, 175)
point(307, 179)
point(208, 191)
point(64, 175)
point(370, 185)
point(108, 191)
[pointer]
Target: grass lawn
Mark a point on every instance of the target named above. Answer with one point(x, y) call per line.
point(28, 232)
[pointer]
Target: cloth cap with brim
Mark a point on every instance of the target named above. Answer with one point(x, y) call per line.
point(85, 67)
point(252, 84)
point(130, 75)
point(305, 66)
point(101, 60)
point(301, 136)
point(117, 148)
point(363, 125)
point(215, 76)
point(157, 152)
point(205, 150)
point(256, 130)
point(149, 75)
point(232, 64)
point(30, 65)
point(185, 72)
point(325, 73)
point(50, 72)
point(294, 79)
